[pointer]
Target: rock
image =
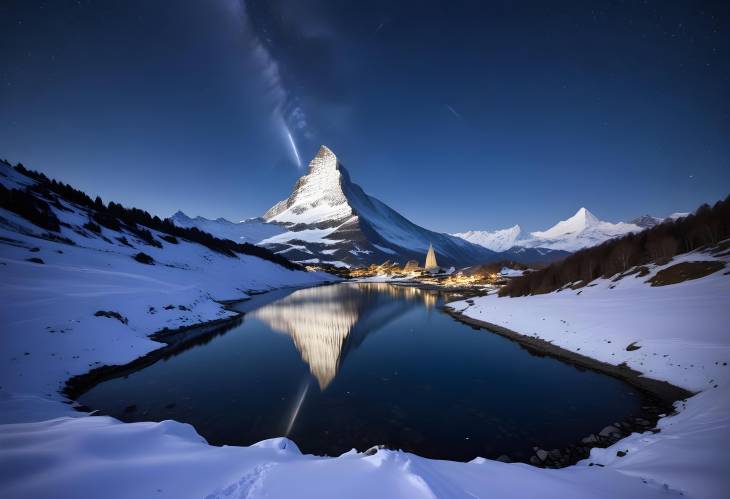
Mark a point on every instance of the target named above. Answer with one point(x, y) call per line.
point(621, 453)
point(534, 460)
point(542, 454)
point(609, 431)
point(590, 439)
point(504, 458)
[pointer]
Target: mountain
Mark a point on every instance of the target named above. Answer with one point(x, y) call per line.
point(251, 231)
point(498, 240)
point(579, 231)
point(331, 219)
point(646, 221)
point(649, 221)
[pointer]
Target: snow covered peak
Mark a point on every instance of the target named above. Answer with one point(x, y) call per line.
point(498, 240)
point(180, 216)
point(579, 222)
point(579, 231)
point(325, 161)
point(317, 197)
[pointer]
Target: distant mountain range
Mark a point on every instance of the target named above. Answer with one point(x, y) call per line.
point(329, 219)
point(581, 230)
point(251, 231)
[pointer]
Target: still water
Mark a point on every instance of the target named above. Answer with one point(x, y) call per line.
point(356, 365)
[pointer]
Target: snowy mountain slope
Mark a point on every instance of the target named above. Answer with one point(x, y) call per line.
point(649, 221)
point(498, 240)
point(50, 333)
point(55, 282)
point(681, 332)
point(252, 230)
point(579, 231)
point(47, 450)
point(334, 220)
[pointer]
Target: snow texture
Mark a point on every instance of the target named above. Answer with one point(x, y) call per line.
point(50, 332)
point(582, 230)
point(251, 231)
point(682, 333)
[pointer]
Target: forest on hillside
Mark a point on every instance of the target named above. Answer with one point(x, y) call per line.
point(33, 203)
point(706, 227)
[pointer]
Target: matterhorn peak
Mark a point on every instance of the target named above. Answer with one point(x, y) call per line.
point(324, 161)
point(317, 197)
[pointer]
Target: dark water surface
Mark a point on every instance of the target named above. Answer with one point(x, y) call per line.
point(355, 365)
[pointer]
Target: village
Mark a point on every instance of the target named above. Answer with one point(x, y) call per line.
point(478, 277)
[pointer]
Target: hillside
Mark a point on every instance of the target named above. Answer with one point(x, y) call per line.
point(675, 332)
point(705, 228)
point(75, 289)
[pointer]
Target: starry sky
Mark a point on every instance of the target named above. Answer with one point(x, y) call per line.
point(459, 114)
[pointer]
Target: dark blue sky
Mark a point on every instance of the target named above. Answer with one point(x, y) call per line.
point(461, 115)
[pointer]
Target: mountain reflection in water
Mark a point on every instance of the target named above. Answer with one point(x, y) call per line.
point(325, 323)
point(390, 368)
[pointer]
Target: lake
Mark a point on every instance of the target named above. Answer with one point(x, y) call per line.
point(354, 365)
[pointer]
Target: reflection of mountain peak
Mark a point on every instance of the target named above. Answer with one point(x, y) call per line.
point(326, 323)
point(318, 330)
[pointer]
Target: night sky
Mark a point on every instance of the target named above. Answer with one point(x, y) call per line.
point(460, 115)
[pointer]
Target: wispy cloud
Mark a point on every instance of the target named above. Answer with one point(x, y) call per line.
point(287, 116)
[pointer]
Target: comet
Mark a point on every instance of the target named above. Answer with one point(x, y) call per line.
point(293, 147)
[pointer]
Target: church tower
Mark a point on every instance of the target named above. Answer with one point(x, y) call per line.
point(431, 264)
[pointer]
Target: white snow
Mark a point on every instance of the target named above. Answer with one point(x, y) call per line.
point(252, 230)
point(326, 196)
point(509, 272)
point(317, 196)
point(684, 338)
point(306, 235)
point(49, 451)
point(579, 231)
point(498, 240)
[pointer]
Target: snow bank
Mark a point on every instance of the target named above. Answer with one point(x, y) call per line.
point(50, 333)
point(682, 332)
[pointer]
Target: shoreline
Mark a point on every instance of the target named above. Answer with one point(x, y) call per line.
point(173, 341)
point(176, 340)
point(663, 390)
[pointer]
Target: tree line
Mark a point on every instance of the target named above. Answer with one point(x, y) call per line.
point(705, 227)
point(34, 204)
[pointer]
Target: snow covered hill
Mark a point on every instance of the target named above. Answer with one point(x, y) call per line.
point(498, 240)
point(676, 333)
point(73, 297)
point(331, 219)
point(70, 297)
point(581, 230)
point(251, 231)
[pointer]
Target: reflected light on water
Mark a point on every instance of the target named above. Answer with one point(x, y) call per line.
point(321, 320)
point(297, 406)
